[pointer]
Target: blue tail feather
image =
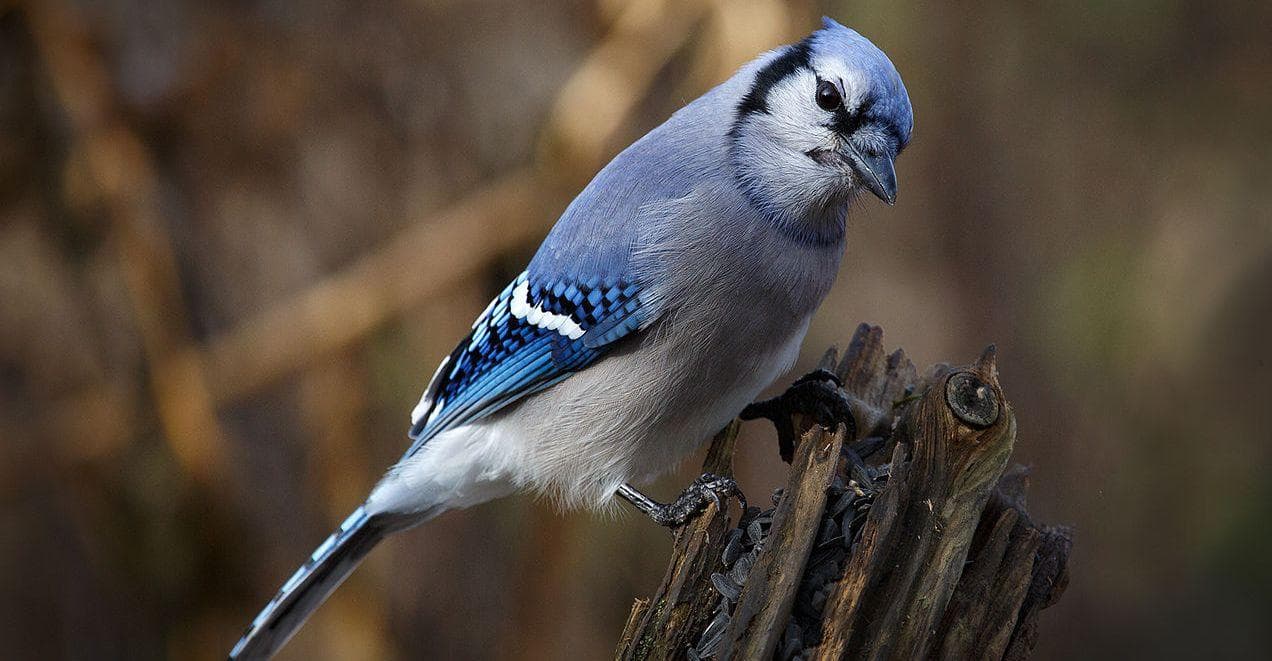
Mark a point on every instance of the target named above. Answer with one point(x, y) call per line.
point(329, 565)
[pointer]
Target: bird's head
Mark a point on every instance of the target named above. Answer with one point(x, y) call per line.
point(821, 120)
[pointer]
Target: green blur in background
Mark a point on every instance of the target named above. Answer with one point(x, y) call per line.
point(236, 239)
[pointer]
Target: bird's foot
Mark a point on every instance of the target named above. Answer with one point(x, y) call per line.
point(708, 488)
point(818, 395)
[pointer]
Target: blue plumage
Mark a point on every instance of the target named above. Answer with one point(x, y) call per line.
point(326, 568)
point(724, 226)
point(513, 351)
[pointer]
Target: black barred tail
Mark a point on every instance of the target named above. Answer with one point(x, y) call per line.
point(301, 595)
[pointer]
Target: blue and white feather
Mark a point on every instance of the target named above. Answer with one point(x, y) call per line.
point(534, 334)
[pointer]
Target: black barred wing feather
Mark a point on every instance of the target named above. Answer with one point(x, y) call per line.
point(533, 335)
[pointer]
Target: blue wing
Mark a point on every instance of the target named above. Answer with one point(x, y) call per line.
point(538, 331)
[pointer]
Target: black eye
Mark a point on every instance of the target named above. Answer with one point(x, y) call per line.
point(828, 95)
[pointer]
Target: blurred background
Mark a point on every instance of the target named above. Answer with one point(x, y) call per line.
point(236, 239)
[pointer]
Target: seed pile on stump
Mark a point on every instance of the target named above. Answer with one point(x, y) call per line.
point(909, 539)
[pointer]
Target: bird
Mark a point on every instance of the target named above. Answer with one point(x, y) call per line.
point(677, 286)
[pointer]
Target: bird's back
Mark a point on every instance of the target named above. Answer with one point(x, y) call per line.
point(600, 229)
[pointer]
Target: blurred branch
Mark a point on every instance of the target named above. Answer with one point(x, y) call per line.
point(741, 28)
point(430, 257)
point(110, 168)
point(421, 263)
point(599, 98)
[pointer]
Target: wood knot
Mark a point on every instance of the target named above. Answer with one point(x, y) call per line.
point(972, 400)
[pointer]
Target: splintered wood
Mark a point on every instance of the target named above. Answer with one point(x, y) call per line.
point(904, 540)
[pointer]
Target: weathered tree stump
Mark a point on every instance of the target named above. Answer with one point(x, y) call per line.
point(929, 554)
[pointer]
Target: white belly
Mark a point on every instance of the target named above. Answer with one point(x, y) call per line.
point(637, 415)
point(631, 417)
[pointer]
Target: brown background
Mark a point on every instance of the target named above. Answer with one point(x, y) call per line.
point(236, 238)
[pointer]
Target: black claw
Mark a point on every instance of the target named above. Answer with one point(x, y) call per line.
point(820, 374)
point(708, 488)
point(818, 394)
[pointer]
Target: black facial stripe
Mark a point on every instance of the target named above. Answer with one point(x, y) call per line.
point(795, 58)
point(845, 122)
point(845, 127)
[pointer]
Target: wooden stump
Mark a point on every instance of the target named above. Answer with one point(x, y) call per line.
point(931, 554)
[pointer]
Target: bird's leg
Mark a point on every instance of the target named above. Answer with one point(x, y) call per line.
point(818, 394)
point(706, 489)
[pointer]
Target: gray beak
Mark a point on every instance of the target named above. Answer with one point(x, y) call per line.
point(876, 173)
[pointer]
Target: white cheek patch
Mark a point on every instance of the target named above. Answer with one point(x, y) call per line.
point(793, 117)
point(520, 308)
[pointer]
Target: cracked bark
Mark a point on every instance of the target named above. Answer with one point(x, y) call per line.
point(943, 561)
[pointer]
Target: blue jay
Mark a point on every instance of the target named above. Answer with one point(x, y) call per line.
point(673, 289)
